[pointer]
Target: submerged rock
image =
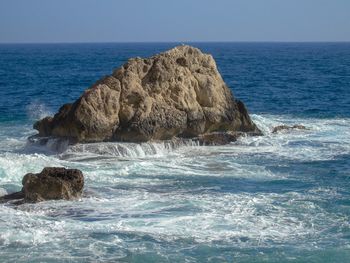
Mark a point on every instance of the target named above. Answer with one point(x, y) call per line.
point(18, 196)
point(176, 93)
point(286, 127)
point(52, 183)
point(222, 138)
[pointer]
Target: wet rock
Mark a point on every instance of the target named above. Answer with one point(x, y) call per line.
point(286, 127)
point(222, 138)
point(176, 93)
point(52, 183)
point(14, 197)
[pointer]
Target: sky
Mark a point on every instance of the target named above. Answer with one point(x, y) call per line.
point(51, 21)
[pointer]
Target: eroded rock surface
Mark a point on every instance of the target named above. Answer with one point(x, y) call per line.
point(176, 93)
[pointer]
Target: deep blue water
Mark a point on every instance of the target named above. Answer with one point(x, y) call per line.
point(277, 198)
point(309, 79)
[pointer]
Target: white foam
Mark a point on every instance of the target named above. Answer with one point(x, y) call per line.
point(14, 137)
point(3, 192)
point(14, 166)
point(240, 219)
point(324, 140)
point(130, 150)
point(172, 192)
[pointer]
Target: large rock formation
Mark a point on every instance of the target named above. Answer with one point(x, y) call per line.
point(176, 93)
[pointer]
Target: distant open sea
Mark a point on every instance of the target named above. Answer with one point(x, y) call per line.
point(276, 198)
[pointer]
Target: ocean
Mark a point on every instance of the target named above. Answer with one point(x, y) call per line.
point(281, 197)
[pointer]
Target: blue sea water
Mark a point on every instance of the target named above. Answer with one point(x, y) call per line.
point(276, 198)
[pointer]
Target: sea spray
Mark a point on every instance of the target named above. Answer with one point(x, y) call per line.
point(37, 110)
point(131, 150)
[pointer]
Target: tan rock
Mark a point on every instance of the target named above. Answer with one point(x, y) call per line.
point(176, 93)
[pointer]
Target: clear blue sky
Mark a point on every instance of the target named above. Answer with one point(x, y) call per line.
point(173, 20)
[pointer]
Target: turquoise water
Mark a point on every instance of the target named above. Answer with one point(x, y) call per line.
point(277, 198)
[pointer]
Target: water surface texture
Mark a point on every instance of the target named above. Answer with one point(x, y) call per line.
point(277, 198)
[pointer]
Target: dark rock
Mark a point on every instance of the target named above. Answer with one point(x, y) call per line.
point(178, 93)
point(53, 183)
point(222, 138)
point(286, 127)
point(14, 197)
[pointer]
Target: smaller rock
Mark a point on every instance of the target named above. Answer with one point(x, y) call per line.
point(286, 127)
point(53, 183)
point(222, 138)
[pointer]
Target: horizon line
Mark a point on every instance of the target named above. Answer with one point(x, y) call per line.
point(170, 42)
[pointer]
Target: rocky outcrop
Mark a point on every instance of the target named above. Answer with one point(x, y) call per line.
point(52, 183)
point(286, 127)
point(176, 93)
